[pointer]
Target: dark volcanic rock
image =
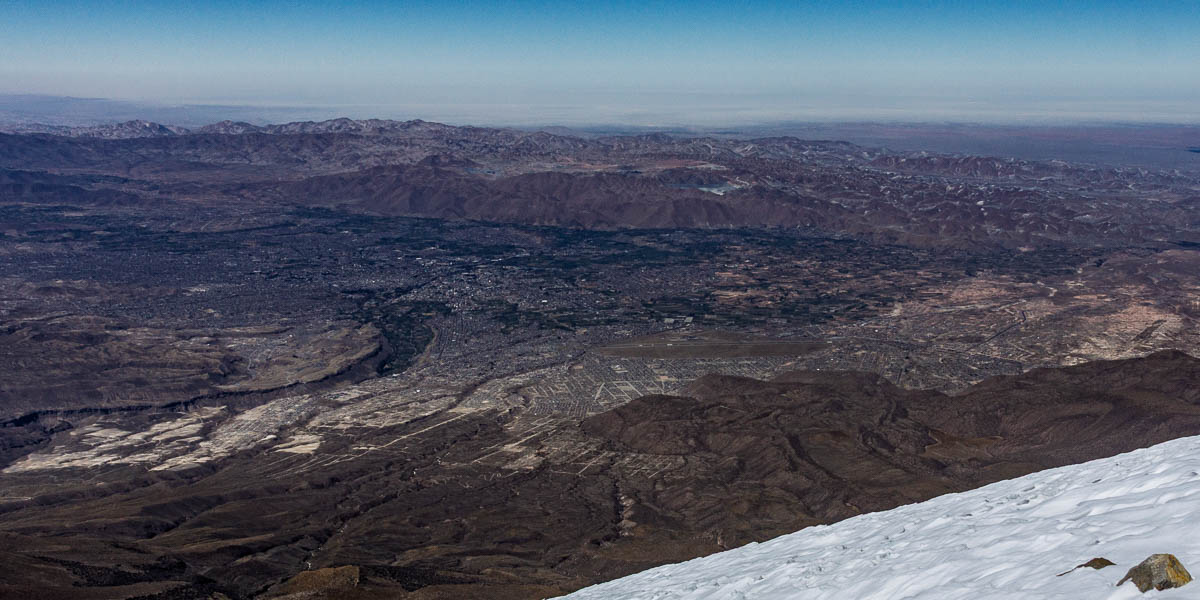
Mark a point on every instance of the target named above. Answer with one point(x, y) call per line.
point(737, 461)
point(826, 445)
point(1095, 563)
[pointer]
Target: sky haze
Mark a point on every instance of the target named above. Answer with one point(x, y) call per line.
point(643, 63)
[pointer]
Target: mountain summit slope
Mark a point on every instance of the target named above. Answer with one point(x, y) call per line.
point(1006, 540)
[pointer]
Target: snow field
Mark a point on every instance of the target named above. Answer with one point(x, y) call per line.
point(1005, 540)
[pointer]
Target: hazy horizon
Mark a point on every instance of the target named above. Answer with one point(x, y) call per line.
point(81, 111)
point(662, 64)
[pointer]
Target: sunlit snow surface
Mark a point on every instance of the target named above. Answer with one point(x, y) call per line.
point(1007, 540)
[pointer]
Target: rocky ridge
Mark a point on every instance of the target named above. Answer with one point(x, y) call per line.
point(640, 181)
point(735, 461)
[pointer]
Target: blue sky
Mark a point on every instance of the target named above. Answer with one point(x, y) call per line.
point(656, 60)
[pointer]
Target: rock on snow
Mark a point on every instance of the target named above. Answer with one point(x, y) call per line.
point(1006, 540)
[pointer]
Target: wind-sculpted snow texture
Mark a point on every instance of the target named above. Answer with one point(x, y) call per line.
point(1006, 540)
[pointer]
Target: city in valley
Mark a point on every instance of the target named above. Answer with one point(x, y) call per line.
point(371, 359)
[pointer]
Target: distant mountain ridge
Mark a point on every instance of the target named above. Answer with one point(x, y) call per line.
point(143, 129)
point(115, 131)
point(655, 180)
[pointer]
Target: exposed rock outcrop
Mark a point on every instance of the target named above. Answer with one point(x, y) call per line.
point(1095, 563)
point(1159, 572)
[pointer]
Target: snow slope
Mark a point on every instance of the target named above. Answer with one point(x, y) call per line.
point(1005, 540)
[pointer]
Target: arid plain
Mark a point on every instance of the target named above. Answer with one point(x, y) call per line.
point(369, 359)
